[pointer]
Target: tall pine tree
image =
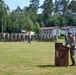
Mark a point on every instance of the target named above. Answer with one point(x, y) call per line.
point(61, 6)
point(47, 7)
point(34, 5)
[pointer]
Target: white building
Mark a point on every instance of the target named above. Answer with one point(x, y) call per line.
point(67, 29)
point(51, 31)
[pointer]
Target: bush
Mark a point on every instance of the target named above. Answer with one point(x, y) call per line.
point(62, 36)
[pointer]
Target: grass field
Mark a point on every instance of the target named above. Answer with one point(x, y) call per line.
point(21, 58)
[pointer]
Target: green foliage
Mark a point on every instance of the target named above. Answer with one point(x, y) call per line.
point(61, 6)
point(55, 20)
point(40, 19)
point(37, 28)
point(21, 21)
point(70, 20)
point(47, 7)
point(28, 24)
point(47, 10)
point(34, 5)
point(3, 15)
point(32, 15)
point(62, 36)
point(72, 6)
point(62, 21)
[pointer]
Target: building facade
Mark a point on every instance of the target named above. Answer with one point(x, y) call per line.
point(57, 30)
point(67, 29)
point(51, 31)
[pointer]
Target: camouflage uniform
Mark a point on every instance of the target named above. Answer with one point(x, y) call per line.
point(29, 38)
point(71, 43)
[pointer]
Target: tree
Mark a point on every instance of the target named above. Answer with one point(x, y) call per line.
point(61, 6)
point(62, 21)
point(56, 5)
point(28, 25)
point(55, 20)
point(17, 19)
point(26, 8)
point(13, 19)
point(72, 8)
point(34, 5)
point(37, 28)
point(32, 10)
point(47, 7)
point(32, 15)
point(71, 21)
point(18, 9)
point(8, 28)
point(3, 13)
point(72, 13)
point(47, 11)
point(65, 7)
point(40, 19)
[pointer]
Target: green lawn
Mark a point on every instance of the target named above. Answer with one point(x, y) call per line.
point(21, 58)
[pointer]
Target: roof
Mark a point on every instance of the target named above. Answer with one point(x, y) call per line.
point(68, 27)
point(48, 28)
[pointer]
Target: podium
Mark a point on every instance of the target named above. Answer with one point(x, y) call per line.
point(61, 55)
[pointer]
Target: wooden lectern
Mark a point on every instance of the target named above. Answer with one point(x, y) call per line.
point(61, 55)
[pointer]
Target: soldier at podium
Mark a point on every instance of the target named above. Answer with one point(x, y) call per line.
point(71, 41)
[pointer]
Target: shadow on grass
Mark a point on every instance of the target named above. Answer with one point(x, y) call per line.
point(47, 66)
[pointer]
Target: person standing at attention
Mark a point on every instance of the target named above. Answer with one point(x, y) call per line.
point(29, 38)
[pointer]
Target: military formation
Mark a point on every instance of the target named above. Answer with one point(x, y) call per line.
point(13, 37)
point(46, 38)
